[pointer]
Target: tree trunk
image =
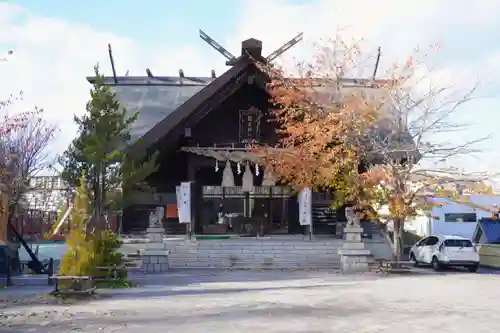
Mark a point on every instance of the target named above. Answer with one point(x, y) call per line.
point(397, 246)
point(103, 192)
point(95, 199)
point(385, 232)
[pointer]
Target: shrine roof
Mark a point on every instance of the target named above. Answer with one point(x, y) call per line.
point(154, 98)
point(154, 81)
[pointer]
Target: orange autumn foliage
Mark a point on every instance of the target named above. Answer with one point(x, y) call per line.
point(362, 139)
point(322, 117)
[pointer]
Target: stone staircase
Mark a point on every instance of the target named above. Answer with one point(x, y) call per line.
point(250, 253)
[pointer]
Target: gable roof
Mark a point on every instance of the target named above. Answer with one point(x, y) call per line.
point(154, 98)
point(491, 229)
point(171, 101)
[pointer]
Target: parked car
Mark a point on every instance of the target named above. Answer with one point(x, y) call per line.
point(445, 251)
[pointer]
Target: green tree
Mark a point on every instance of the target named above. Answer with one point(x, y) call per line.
point(87, 248)
point(100, 151)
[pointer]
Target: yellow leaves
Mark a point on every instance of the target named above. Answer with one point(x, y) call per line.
point(85, 250)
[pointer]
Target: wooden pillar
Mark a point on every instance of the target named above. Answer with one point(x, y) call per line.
point(270, 210)
point(191, 163)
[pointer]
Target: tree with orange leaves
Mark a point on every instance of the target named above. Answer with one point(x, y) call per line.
point(369, 142)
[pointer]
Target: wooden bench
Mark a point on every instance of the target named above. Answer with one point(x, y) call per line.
point(111, 272)
point(78, 285)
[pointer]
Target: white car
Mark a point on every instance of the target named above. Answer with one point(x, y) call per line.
point(445, 251)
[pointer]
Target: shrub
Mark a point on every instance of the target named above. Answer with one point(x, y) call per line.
point(78, 258)
point(105, 249)
point(88, 250)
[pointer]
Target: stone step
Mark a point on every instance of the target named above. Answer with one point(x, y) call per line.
point(275, 257)
point(249, 252)
point(333, 266)
point(253, 261)
point(258, 252)
point(250, 263)
point(264, 244)
point(270, 239)
point(256, 255)
point(174, 263)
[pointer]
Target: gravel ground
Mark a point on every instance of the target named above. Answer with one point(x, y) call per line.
point(274, 302)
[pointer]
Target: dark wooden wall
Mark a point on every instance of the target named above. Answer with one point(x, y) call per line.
point(221, 126)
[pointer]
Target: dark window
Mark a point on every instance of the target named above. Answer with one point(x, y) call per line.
point(460, 217)
point(432, 241)
point(457, 243)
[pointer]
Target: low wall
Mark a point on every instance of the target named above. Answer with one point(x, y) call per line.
point(378, 248)
point(489, 255)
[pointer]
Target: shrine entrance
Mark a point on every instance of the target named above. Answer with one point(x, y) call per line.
point(263, 210)
point(239, 196)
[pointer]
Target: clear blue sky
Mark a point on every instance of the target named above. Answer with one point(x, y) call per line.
point(144, 20)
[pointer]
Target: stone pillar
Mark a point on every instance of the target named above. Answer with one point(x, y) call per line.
point(354, 258)
point(154, 259)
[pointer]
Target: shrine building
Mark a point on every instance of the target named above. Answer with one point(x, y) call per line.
point(201, 127)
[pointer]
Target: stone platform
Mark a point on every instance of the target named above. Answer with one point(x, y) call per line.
point(154, 263)
point(354, 257)
point(154, 259)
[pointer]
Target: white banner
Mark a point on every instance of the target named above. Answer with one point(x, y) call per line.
point(183, 194)
point(305, 205)
point(178, 199)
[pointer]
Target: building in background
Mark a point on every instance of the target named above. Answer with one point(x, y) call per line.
point(458, 217)
point(47, 194)
point(45, 198)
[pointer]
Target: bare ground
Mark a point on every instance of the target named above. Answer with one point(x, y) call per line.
point(271, 302)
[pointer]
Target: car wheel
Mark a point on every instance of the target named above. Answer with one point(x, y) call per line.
point(436, 265)
point(473, 269)
point(412, 258)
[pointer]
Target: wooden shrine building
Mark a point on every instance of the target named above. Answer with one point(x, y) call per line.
point(201, 126)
